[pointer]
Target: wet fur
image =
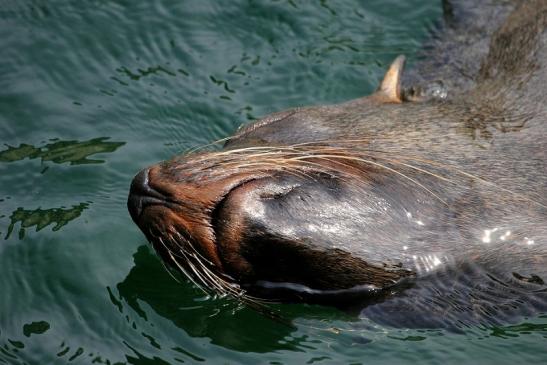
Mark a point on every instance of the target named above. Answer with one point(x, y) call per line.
point(472, 163)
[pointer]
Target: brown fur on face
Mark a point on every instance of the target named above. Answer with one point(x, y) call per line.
point(374, 190)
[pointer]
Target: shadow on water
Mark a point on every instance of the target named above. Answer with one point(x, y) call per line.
point(72, 152)
point(224, 321)
point(148, 290)
point(491, 310)
point(41, 218)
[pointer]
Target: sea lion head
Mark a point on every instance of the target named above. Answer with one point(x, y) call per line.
point(291, 207)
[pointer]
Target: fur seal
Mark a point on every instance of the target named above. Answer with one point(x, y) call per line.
point(402, 199)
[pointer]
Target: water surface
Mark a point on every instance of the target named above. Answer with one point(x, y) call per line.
point(92, 91)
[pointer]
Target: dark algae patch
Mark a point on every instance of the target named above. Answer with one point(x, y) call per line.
point(35, 328)
point(72, 152)
point(41, 218)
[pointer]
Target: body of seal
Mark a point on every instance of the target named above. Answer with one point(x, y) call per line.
point(401, 200)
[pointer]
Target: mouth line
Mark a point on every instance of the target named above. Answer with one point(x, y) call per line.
point(154, 199)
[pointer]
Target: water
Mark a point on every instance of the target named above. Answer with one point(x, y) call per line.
point(92, 91)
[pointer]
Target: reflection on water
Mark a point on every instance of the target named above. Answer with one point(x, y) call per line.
point(224, 321)
point(232, 327)
point(41, 218)
point(148, 290)
point(525, 328)
point(73, 152)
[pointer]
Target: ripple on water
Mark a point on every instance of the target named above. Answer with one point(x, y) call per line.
point(163, 77)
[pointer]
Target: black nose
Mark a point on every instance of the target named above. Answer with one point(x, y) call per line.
point(141, 194)
point(137, 192)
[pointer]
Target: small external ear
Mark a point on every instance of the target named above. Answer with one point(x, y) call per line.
point(390, 88)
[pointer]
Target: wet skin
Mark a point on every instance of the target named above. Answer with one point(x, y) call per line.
point(396, 199)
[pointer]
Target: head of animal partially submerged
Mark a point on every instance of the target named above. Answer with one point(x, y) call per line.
point(349, 199)
point(297, 202)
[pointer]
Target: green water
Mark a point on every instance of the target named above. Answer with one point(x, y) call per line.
point(92, 91)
